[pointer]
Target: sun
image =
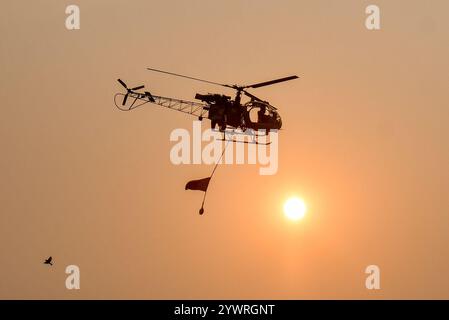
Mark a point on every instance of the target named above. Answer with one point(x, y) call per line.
point(295, 209)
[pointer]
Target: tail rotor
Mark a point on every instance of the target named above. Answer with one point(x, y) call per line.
point(128, 90)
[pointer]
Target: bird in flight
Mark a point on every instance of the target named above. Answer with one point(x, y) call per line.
point(48, 261)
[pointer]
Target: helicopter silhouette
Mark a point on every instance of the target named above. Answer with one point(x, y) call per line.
point(223, 111)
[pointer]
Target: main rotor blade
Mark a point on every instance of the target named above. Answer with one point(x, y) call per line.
point(267, 83)
point(122, 83)
point(138, 88)
point(191, 78)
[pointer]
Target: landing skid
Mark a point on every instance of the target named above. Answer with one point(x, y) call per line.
point(247, 142)
point(249, 133)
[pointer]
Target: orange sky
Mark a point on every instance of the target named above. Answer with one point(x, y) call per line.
point(365, 145)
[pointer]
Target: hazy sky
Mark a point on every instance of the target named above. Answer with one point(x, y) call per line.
point(366, 145)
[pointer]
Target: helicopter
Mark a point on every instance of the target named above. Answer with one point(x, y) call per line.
point(222, 111)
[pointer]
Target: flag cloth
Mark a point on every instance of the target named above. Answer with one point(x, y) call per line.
point(201, 184)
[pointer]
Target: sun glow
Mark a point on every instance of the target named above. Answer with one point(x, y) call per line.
point(295, 209)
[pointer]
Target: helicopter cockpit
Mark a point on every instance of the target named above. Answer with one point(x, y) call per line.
point(262, 115)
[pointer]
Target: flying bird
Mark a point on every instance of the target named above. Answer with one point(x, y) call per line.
point(48, 261)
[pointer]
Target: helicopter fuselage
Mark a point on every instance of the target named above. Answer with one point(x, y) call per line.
point(225, 112)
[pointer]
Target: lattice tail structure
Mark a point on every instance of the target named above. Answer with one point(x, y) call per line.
point(136, 100)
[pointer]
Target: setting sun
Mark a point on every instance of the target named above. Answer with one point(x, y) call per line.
point(295, 209)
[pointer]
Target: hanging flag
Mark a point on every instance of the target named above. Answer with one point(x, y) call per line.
point(201, 184)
